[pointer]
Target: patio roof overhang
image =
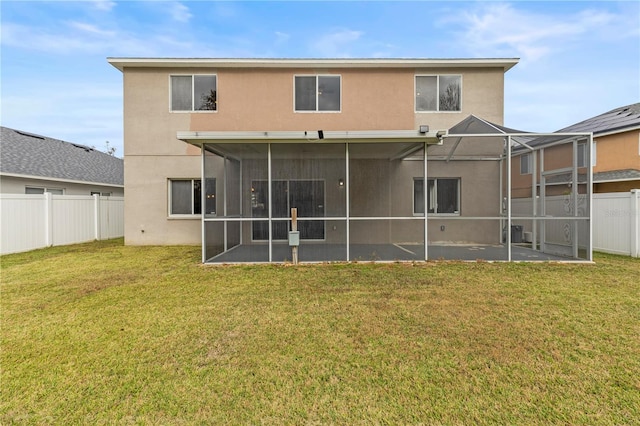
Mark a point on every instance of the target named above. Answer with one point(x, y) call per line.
point(314, 136)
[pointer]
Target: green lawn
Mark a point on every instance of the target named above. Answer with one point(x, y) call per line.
point(101, 333)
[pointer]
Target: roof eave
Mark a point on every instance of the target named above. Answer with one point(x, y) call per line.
point(65, 180)
point(122, 63)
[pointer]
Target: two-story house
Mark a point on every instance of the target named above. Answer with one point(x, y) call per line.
point(219, 151)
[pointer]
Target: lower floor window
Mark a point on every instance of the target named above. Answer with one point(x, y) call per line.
point(443, 196)
point(185, 196)
point(40, 190)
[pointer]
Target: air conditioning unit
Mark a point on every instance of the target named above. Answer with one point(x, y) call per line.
point(527, 236)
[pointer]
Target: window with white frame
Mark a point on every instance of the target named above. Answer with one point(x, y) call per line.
point(194, 93)
point(582, 155)
point(438, 93)
point(41, 190)
point(526, 164)
point(317, 93)
point(443, 196)
point(185, 197)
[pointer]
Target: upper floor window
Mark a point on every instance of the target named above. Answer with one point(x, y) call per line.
point(194, 93)
point(438, 92)
point(526, 164)
point(317, 93)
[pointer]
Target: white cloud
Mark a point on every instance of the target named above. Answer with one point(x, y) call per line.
point(105, 5)
point(501, 29)
point(91, 29)
point(335, 44)
point(180, 12)
point(282, 37)
point(80, 37)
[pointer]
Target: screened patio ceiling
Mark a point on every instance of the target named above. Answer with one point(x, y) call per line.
point(386, 196)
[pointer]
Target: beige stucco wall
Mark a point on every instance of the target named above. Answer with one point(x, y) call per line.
point(17, 185)
point(263, 99)
point(146, 205)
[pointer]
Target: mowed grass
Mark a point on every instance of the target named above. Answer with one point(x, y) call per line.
point(101, 333)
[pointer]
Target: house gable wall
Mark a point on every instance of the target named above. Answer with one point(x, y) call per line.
point(619, 151)
point(263, 100)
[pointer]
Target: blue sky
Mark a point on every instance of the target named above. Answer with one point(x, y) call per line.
point(577, 59)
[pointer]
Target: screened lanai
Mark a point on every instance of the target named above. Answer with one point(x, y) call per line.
point(365, 196)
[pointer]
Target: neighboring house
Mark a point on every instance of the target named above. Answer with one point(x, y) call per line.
point(218, 152)
point(34, 164)
point(616, 148)
point(615, 154)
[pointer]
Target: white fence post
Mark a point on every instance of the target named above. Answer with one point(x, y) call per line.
point(96, 217)
point(48, 219)
point(634, 222)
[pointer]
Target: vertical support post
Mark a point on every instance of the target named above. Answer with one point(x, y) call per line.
point(424, 190)
point(96, 217)
point(634, 218)
point(241, 191)
point(543, 204)
point(509, 198)
point(48, 219)
point(294, 227)
point(501, 197)
point(534, 200)
point(574, 198)
point(270, 202)
point(590, 197)
point(203, 234)
point(224, 202)
point(347, 184)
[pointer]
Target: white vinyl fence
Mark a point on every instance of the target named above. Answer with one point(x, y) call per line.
point(616, 222)
point(29, 222)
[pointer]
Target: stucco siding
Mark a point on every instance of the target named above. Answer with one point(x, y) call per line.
point(618, 152)
point(252, 99)
point(146, 206)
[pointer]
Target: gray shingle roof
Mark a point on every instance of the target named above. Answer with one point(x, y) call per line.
point(615, 120)
point(28, 154)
